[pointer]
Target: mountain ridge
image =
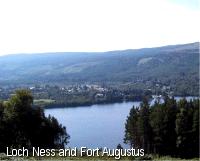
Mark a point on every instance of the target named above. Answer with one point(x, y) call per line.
point(73, 52)
point(167, 64)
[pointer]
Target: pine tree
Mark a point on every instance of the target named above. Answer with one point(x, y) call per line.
point(131, 129)
point(144, 127)
point(169, 128)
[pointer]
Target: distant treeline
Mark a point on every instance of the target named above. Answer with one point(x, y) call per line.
point(87, 102)
point(56, 97)
point(170, 128)
point(21, 125)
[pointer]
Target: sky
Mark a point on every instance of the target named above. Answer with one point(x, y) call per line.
point(37, 26)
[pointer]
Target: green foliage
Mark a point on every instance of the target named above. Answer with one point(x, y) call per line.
point(163, 118)
point(138, 131)
point(144, 126)
point(21, 125)
point(170, 128)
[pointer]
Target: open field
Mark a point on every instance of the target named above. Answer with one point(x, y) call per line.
point(43, 102)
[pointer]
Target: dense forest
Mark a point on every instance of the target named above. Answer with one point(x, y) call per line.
point(21, 125)
point(169, 128)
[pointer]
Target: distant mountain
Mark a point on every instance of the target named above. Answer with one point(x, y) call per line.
point(167, 64)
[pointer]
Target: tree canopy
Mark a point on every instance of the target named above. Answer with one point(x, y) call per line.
point(22, 125)
point(169, 128)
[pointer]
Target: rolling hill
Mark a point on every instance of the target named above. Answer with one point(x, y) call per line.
point(167, 64)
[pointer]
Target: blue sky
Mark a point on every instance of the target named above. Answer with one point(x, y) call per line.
point(37, 26)
point(191, 4)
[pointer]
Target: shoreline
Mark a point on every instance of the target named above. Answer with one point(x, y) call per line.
point(54, 106)
point(87, 105)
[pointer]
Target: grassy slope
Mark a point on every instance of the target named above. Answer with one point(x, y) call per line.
point(3, 157)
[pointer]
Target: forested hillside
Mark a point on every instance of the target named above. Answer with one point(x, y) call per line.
point(169, 65)
point(168, 128)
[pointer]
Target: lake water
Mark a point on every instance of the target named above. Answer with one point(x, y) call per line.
point(96, 125)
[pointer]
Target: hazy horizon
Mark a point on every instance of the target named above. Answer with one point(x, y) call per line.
point(95, 26)
point(50, 52)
